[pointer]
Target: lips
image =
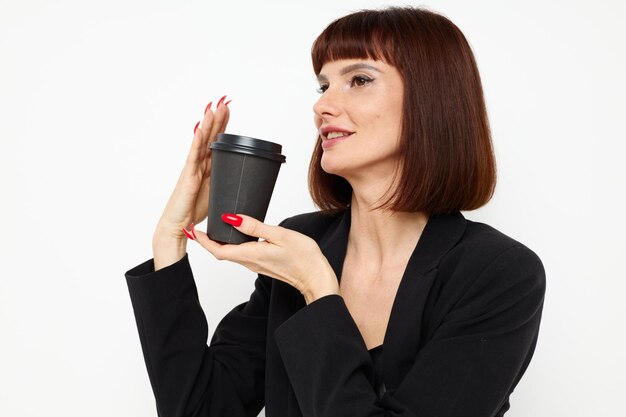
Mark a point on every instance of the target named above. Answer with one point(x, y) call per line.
point(334, 132)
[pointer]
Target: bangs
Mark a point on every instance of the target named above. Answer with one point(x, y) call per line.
point(363, 35)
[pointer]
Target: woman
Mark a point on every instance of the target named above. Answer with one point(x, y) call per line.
point(387, 302)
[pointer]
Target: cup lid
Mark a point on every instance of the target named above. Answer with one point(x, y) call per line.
point(250, 146)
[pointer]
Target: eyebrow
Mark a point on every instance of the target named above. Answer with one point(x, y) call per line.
point(350, 68)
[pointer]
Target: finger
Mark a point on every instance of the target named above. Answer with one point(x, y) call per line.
point(197, 153)
point(207, 126)
point(226, 119)
point(225, 252)
point(253, 227)
point(206, 242)
point(224, 108)
point(222, 115)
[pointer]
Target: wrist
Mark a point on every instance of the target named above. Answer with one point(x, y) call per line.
point(168, 247)
point(323, 287)
point(312, 296)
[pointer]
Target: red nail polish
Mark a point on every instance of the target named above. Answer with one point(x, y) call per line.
point(232, 219)
point(188, 234)
point(220, 102)
point(196, 128)
point(227, 103)
point(193, 231)
point(208, 107)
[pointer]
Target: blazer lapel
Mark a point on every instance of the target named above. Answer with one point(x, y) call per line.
point(404, 330)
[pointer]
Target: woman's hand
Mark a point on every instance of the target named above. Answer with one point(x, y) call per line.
point(189, 201)
point(284, 254)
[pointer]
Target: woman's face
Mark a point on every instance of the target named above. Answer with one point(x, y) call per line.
point(359, 116)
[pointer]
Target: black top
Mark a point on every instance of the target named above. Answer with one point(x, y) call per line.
point(461, 333)
point(377, 359)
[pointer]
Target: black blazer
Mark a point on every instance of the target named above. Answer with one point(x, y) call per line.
point(462, 331)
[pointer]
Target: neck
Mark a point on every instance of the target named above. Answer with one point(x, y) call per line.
point(380, 236)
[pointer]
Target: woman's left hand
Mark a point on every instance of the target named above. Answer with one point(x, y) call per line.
point(283, 254)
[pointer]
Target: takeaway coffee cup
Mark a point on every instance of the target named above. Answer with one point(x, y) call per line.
point(243, 175)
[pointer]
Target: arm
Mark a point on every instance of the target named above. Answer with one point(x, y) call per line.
point(467, 368)
point(188, 378)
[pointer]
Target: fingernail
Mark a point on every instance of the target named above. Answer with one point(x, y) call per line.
point(193, 231)
point(220, 102)
point(196, 128)
point(232, 219)
point(188, 234)
point(227, 103)
point(208, 107)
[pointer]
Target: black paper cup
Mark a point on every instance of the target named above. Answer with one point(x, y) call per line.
point(243, 175)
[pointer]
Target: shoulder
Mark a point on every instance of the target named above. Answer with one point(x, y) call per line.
point(485, 259)
point(483, 243)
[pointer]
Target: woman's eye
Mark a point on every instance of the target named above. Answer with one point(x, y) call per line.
point(360, 81)
point(322, 88)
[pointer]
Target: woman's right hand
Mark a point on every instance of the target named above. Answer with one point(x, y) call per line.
point(189, 202)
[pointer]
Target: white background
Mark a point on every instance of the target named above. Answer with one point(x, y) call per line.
point(97, 105)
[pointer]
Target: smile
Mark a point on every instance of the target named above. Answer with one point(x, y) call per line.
point(334, 135)
point(332, 138)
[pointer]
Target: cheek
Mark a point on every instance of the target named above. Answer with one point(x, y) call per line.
point(370, 116)
point(384, 112)
point(392, 118)
point(384, 121)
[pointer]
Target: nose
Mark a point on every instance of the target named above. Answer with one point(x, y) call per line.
point(328, 105)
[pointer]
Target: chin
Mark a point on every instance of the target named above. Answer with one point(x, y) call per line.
point(332, 167)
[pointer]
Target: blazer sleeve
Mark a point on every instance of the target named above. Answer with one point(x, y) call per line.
point(188, 377)
point(467, 368)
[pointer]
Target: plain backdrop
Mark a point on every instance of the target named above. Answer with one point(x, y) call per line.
point(98, 101)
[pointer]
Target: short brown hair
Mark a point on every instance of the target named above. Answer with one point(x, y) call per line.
point(447, 155)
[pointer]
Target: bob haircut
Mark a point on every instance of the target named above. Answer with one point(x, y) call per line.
point(448, 162)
